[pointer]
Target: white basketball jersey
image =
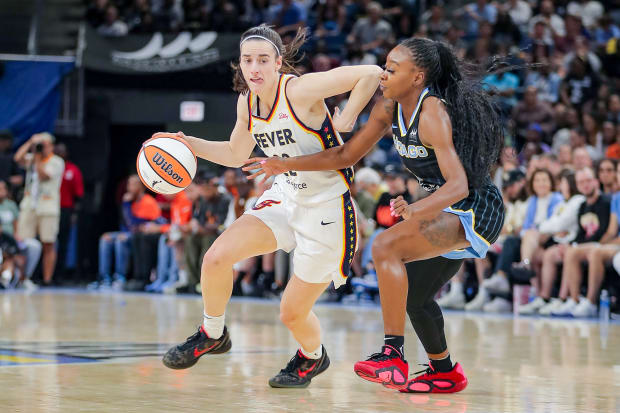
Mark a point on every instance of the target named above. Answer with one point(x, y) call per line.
point(283, 134)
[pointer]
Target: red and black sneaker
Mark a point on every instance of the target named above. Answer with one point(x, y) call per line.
point(300, 370)
point(185, 355)
point(433, 381)
point(387, 367)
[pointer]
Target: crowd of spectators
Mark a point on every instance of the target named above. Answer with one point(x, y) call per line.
point(554, 72)
point(162, 238)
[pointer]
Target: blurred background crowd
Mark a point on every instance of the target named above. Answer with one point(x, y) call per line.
point(553, 67)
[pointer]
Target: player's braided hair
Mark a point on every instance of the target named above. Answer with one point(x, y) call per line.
point(477, 130)
point(288, 52)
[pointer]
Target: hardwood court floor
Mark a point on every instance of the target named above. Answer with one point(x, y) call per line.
point(95, 352)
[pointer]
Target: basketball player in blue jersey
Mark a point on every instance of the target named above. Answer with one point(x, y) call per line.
point(448, 134)
point(312, 212)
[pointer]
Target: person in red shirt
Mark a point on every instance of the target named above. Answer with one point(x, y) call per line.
point(613, 150)
point(71, 192)
point(164, 204)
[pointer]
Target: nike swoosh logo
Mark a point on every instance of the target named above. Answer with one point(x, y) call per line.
point(327, 223)
point(200, 353)
point(304, 373)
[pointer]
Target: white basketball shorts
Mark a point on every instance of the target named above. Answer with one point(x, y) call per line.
point(323, 235)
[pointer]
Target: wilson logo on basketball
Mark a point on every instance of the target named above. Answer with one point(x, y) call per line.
point(160, 160)
point(266, 203)
point(166, 166)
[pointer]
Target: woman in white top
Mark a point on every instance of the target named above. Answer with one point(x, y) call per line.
point(549, 243)
point(310, 211)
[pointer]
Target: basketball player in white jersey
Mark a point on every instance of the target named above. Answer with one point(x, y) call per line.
point(311, 212)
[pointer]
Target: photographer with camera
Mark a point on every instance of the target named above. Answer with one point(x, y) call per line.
point(40, 207)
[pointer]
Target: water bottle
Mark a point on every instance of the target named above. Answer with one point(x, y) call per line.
point(603, 311)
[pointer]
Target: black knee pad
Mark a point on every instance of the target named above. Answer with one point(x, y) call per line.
point(425, 279)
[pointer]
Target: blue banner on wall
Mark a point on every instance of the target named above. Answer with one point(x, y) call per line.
point(30, 97)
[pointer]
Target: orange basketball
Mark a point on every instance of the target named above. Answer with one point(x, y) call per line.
point(166, 163)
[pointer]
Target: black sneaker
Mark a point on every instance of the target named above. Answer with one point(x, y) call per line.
point(187, 354)
point(300, 371)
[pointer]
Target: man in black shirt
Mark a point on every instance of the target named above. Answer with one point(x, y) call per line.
point(593, 219)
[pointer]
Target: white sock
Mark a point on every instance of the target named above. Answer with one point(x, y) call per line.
point(313, 355)
point(456, 287)
point(214, 326)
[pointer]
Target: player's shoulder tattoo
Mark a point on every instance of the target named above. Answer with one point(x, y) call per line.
point(388, 106)
point(384, 112)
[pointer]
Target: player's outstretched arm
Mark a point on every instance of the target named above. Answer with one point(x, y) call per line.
point(232, 153)
point(361, 94)
point(316, 86)
point(311, 88)
point(338, 157)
